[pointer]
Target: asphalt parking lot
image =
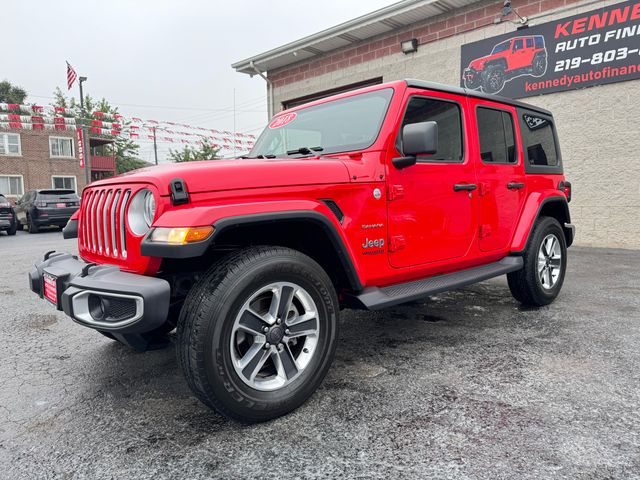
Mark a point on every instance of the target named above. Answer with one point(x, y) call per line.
point(463, 385)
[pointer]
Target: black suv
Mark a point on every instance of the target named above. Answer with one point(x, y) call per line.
point(43, 208)
point(8, 222)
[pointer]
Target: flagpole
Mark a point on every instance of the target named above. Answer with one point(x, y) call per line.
point(85, 136)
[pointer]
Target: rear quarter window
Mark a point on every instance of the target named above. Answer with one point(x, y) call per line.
point(539, 142)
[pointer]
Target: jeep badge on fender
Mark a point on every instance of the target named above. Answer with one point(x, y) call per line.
point(251, 260)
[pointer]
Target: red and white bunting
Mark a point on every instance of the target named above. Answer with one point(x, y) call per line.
point(47, 117)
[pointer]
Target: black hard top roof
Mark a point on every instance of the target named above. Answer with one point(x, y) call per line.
point(439, 87)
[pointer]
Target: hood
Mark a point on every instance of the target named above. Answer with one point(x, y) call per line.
point(218, 175)
point(478, 63)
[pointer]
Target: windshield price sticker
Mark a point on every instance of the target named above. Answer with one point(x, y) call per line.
point(282, 120)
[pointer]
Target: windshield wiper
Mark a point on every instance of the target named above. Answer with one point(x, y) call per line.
point(305, 150)
point(258, 156)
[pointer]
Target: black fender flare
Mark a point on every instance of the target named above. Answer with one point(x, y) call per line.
point(308, 216)
point(224, 224)
point(567, 226)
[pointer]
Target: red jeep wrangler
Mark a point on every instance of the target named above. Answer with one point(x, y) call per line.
point(508, 60)
point(366, 199)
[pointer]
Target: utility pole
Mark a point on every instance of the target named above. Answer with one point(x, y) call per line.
point(155, 145)
point(234, 123)
point(85, 136)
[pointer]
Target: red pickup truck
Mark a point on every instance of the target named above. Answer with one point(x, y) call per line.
point(509, 59)
point(366, 199)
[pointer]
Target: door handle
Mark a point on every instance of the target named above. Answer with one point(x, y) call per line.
point(515, 185)
point(464, 186)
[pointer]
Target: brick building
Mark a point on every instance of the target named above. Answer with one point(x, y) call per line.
point(40, 159)
point(597, 126)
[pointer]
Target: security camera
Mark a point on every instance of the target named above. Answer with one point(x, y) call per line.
point(506, 8)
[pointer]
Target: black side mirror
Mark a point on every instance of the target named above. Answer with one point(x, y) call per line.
point(417, 139)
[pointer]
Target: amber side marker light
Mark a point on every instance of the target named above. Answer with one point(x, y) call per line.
point(180, 235)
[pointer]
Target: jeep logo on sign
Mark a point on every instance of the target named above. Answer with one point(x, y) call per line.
point(591, 48)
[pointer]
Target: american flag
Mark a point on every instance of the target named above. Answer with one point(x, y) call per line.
point(71, 76)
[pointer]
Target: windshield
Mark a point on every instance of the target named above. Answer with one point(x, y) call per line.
point(501, 47)
point(351, 123)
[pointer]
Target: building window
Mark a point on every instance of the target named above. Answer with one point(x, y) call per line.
point(61, 147)
point(66, 182)
point(495, 132)
point(10, 144)
point(11, 185)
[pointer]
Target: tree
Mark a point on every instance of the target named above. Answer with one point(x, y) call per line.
point(10, 93)
point(125, 149)
point(193, 154)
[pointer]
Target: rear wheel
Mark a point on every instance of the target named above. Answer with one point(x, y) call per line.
point(13, 228)
point(545, 260)
point(539, 66)
point(33, 228)
point(257, 335)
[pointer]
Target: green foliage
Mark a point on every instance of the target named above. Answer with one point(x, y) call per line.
point(126, 150)
point(193, 154)
point(10, 93)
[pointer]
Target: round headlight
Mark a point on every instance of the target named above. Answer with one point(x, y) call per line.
point(142, 212)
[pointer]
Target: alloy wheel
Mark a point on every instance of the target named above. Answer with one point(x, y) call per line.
point(549, 261)
point(274, 336)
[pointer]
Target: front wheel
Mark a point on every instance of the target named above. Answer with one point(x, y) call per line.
point(257, 334)
point(545, 261)
point(493, 79)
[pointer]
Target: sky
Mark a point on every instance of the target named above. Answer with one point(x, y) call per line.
point(159, 59)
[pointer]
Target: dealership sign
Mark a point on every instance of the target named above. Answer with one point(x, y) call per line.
point(592, 48)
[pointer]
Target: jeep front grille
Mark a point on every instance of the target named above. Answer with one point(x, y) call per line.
point(103, 215)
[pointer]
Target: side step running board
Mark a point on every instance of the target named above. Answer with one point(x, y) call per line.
point(376, 298)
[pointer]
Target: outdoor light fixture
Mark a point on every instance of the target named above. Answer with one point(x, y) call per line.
point(507, 9)
point(409, 46)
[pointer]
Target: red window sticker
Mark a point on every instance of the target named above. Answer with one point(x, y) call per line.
point(282, 120)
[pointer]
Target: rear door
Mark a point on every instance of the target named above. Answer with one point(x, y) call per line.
point(432, 217)
point(500, 171)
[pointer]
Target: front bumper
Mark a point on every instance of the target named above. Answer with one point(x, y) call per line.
point(471, 75)
point(101, 296)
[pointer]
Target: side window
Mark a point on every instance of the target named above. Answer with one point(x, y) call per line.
point(539, 140)
point(496, 136)
point(539, 41)
point(517, 45)
point(449, 118)
point(529, 42)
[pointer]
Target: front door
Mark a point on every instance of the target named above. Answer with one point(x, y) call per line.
point(431, 205)
point(519, 55)
point(500, 173)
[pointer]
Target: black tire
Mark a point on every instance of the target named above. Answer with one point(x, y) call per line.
point(13, 228)
point(473, 84)
point(526, 285)
point(493, 79)
point(108, 335)
point(33, 228)
point(205, 332)
point(539, 65)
